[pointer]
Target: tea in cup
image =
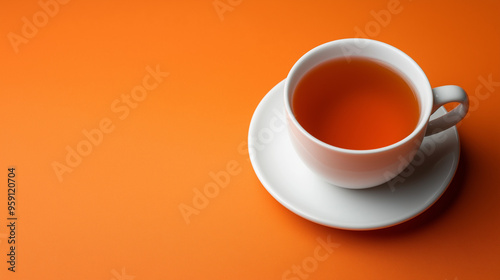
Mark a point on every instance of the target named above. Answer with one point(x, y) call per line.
point(354, 107)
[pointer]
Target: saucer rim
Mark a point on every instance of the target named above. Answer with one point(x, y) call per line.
point(353, 227)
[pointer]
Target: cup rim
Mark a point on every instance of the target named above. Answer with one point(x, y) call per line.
point(425, 112)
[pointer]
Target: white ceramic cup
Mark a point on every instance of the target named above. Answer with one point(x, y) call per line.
point(359, 169)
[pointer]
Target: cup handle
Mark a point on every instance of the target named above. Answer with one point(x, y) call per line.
point(443, 95)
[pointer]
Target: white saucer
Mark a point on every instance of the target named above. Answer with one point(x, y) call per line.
point(293, 185)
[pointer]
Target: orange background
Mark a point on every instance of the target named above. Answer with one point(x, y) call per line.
point(116, 215)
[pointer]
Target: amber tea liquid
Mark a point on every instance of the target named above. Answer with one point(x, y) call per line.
point(359, 104)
